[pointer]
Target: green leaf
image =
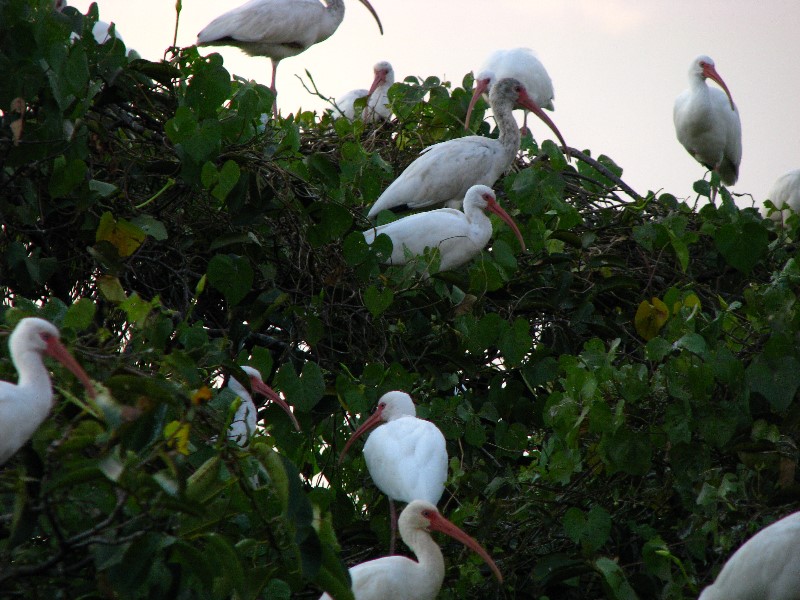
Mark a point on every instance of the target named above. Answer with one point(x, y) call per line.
point(232, 275)
point(377, 301)
point(67, 175)
point(152, 227)
point(742, 246)
point(305, 391)
point(80, 315)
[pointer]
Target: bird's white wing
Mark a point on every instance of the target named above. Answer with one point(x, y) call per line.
point(345, 106)
point(523, 65)
point(384, 578)
point(422, 230)
point(443, 173)
point(407, 459)
point(732, 127)
point(267, 21)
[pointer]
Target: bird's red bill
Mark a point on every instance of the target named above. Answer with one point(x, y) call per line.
point(263, 389)
point(711, 72)
point(494, 207)
point(439, 523)
point(526, 101)
point(374, 14)
point(480, 88)
point(57, 350)
point(373, 420)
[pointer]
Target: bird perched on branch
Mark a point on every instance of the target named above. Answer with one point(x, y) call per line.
point(277, 28)
point(24, 406)
point(445, 171)
point(707, 122)
point(377, 107)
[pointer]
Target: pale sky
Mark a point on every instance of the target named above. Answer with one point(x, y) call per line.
point(616, 65)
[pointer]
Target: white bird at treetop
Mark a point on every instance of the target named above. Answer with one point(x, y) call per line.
point(520, 64)
point(401, 578)
point(707, 122)
point(24, 406)
point(785, 194)
point(459, 236)
point(244, 421)
point(277, 28)
point(376, 107)
point(445, 171)
point(766, 567)
point(406, 456)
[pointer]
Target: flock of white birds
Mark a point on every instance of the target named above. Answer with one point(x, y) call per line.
point(406, 456)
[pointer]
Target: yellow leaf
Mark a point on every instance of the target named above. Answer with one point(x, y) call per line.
point(124, 236)
point(650, 318)
point(111, 288)
point(691, 301)
point(202, 395)
point(177, 436)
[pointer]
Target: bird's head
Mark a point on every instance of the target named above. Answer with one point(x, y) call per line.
point(422, 515)
point(482, 197)
point(259, 387)
point(42, 337)
point(509, 93)
point(384, 73)
point(392, 405)
point(703, 66)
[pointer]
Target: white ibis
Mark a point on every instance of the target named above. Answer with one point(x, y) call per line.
point(406, 456)
point(24, 406)
point(707, 122)
point(277, 28)
point(766, 567)
point(401, 578)
point(785, 194)
point(458, 235)
point(377, 106)
point(445, 171)
point(244, 421)
point(520, 64)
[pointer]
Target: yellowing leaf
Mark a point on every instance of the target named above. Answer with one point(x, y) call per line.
point(111, 288)
point(691, 301)
point(202, 395)
point(177, 436)
point(650, 318)
point(124, 236)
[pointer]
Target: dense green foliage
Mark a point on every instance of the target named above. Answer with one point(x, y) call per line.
point(149, 213)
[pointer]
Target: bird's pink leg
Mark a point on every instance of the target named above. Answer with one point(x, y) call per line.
point(524, 130)
point(393, 518)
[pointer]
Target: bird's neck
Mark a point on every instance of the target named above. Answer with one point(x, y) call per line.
point(32, 373)
point(430, 561)
point(509, 131)
point(334, 14)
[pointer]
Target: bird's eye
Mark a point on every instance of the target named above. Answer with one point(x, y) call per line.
point(382, 405)
point(46, 337)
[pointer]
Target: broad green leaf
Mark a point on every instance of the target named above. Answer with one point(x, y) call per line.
point(232, 275)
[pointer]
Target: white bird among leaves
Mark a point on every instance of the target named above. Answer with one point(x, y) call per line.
point(377, 105)
point(401, 578)
point(520, 64)
point(766, 567)
point(243, 425)
point(459, 236)
point(784, 195)
point(24, 406)
point(277, 28)
point(445, 171)
point(406, 456)
point(707, 122)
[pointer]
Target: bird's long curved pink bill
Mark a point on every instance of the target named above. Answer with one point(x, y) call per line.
point(711, 72)
point(263, 389)
point(57, 350)
point(374, 14)
point(526, 101)
point(439, 523)
point(480, 88)
point(494, 207)
point(374, 419)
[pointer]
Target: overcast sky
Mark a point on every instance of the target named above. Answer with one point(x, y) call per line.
point(616, 65)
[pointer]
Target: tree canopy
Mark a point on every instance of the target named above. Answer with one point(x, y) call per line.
point(619, 401)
